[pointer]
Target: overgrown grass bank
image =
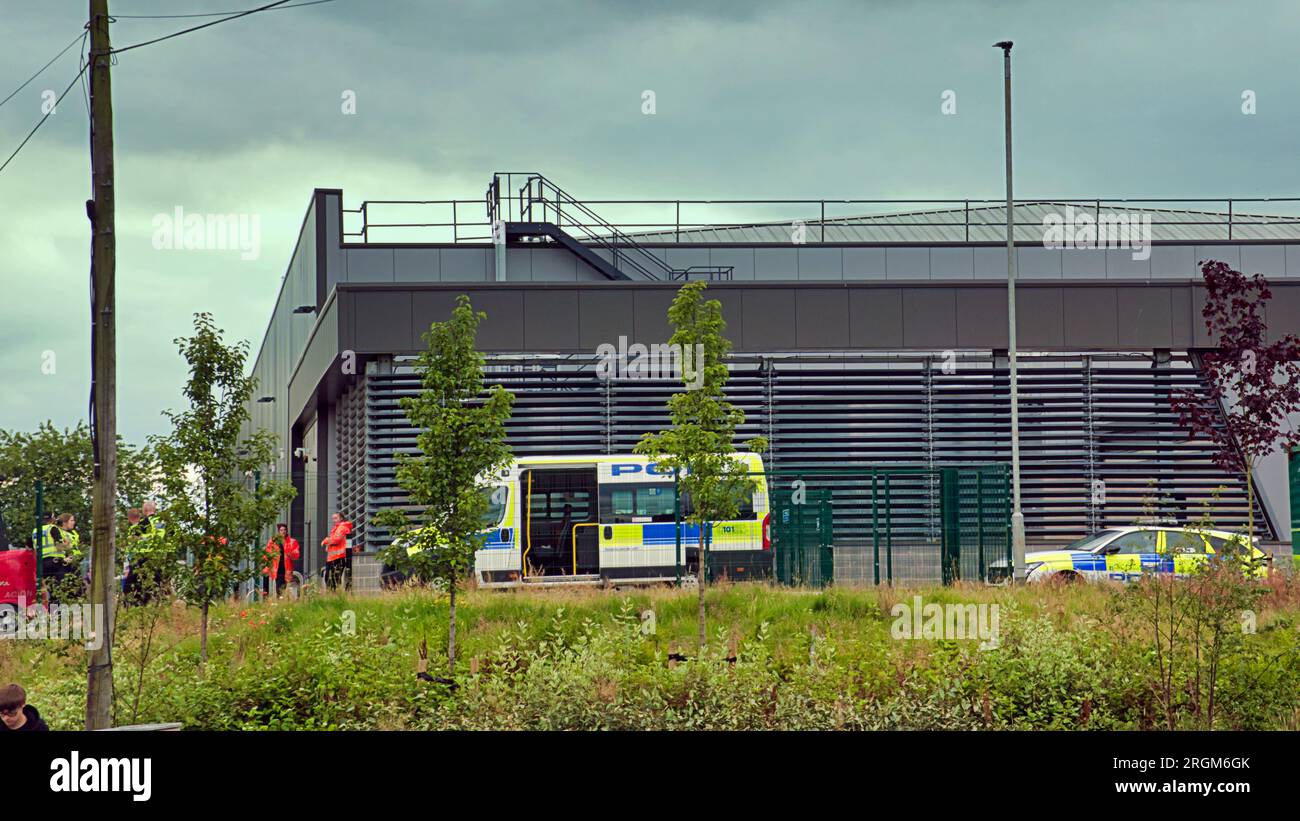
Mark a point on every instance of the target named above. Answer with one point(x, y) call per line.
point(1067, 657)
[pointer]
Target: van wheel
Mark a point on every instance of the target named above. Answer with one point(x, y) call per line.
point(1067, 577)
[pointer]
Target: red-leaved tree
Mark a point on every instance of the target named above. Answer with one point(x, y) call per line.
point(1255, 382)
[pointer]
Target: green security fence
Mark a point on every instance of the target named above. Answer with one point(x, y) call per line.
point(803, 537)
point(895, 525)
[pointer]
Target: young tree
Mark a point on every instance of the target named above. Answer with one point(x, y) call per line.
point(699, 446)
point(210, 511)
point(462, 441)
point(1256, 382)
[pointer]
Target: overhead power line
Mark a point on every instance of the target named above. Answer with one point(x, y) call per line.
point(206, 14)
point(267, 7)
point(77, 39)
point(42, 120)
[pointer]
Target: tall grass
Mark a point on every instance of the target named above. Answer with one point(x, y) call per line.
point(582, 658)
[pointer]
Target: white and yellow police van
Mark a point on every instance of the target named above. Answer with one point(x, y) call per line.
point(597, 519)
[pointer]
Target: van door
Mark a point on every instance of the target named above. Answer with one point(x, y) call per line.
point(560, 521)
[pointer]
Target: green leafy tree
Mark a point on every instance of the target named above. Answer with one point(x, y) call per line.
point(462, 441)
point(699, 446)
point(62, 460)
point(211, 511)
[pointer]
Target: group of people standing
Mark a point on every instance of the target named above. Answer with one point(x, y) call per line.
point(282, 550)
point(143, 548)
point(143, 551)
point(58, 549)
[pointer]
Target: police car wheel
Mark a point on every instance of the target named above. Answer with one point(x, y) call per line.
point(1067, 577)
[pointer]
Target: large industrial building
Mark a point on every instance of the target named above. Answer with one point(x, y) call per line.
point(865, 334)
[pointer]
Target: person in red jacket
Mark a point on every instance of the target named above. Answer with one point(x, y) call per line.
point(282, 550)
point(337, 556)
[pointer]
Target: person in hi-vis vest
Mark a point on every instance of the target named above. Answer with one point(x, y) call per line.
point(58, 549)
point(338, 557)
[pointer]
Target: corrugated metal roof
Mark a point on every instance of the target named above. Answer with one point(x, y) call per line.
point(988, 224)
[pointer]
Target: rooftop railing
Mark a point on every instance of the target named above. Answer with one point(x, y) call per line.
point(796, 221)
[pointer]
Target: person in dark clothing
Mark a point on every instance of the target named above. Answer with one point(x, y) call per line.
point(16, 715)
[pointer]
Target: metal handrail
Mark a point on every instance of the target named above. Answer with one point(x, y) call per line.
point(611, 237)
point(1225, 214)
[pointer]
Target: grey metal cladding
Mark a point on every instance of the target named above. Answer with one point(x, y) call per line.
point(876, 317)
point(1144, 317)
point(930, 318)
point(551, 320)
point(1040, 318)
point(769, 320)
point(1173, 261)
point(1230, 254)
point(532, 317)
point(908, 263)
point(1182, 318)
point(776, 264)
point(1283, 313)
point(1269, 260)
point(382, 321)
point(549, 264)
point(318, 357)
point(503, 330)
point(370, 264)
point(417, 265)
point(468, 264)
point(1039, 263)
point(650, 315)
point(1090, 318)
point(821, 263)
point(868, 263)
point(1201, 336)
point(741, 260)
point(1120, 264)
point(822, 319)
point(605, 316)
point(1081, 263)
point(981, 318)
point(952, 263)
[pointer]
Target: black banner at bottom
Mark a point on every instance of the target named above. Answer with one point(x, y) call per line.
point(138, 771)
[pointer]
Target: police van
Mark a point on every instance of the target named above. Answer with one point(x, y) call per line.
point(595, 519)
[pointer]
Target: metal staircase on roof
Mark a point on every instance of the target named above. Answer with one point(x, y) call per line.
point(537, 210)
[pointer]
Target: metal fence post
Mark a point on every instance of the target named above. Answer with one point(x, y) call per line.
point(889, 534)
point(979, 521)
point(875, 529)
point(677, 526)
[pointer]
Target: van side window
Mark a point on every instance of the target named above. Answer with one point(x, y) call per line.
point(551, 505)
point(636, 503)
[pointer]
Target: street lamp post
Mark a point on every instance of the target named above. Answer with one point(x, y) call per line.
point(1017, 515)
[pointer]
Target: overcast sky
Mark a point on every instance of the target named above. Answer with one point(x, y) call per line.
point(753, 99)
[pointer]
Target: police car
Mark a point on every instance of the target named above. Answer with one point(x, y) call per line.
point(1126, 553)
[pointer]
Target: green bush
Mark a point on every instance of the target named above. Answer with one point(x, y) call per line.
point(803, 660)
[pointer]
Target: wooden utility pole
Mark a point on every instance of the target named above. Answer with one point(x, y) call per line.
point(99, 676)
